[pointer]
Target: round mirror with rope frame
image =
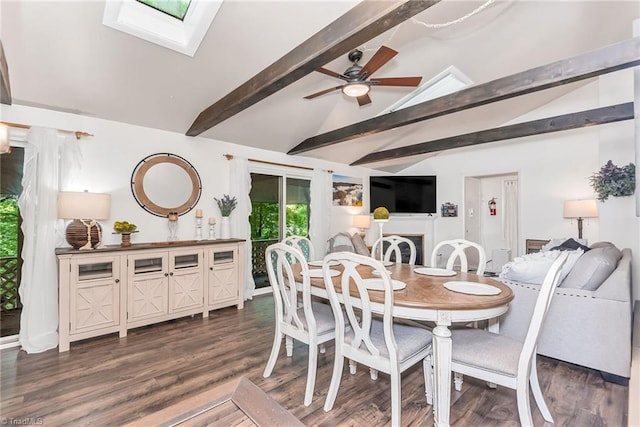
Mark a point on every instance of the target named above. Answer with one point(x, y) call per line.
point(147, 184)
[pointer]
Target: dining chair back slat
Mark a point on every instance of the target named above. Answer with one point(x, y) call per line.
point(361, 336)
point(459, 247)
point(394, 249)
point(296, 315)
point(504, 361)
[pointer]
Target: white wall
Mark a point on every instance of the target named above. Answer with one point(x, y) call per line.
point(552, 168)
point(110, 156)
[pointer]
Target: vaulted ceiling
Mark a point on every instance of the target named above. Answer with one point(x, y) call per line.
point(62, 57)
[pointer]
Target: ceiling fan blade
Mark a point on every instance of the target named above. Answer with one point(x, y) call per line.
point(364, 100)
point(332, 74)
point(322, 92)
point(397, 81)
point(381, 57)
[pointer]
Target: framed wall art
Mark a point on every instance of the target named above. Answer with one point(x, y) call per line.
point(347, 191)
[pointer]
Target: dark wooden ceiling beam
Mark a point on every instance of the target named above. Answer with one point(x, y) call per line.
point(363, 22)
point(5, 87)
point(598, 116)
point(606, 60)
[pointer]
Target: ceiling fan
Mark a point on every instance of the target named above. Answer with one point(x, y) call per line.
point(357, 77)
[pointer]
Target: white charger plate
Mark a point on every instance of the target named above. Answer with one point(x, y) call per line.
point(318, 273)
point(472, 288)
point(319, 263)
point(434, 271)
point(378, 285)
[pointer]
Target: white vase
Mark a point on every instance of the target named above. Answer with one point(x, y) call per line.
point(225, 228)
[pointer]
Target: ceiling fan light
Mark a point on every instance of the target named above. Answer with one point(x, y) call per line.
point(355, 90)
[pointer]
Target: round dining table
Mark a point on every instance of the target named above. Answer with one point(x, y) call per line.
point(426, 297)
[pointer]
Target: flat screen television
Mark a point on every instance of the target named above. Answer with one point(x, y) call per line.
point(403, 194)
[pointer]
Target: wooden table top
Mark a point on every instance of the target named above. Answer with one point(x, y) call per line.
point(428, 292)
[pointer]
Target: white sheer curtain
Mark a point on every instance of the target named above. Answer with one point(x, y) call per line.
point(510, 218)
point(321, 207)
point(49, 160)
point(240, 187)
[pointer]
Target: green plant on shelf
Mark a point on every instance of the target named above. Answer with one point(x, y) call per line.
point(124, 227)
point(227, 204)
point(614, 180)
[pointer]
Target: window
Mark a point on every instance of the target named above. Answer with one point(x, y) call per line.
point(280, 207)
point(449, 81)
point(156, 21)
point(175, 8)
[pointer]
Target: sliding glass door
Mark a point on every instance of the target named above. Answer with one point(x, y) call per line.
point(10, 241)
point(280, 207)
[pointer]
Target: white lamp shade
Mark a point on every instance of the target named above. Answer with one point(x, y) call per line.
point(361, 221)
point(83, 205)
point(581, 209)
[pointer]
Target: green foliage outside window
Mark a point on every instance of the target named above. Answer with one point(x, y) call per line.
point(297, 220)
point(264, 221)
point(8, 226)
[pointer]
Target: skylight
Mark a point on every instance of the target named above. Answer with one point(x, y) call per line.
point(449, 81)
point(156, 21)
point(175, 8)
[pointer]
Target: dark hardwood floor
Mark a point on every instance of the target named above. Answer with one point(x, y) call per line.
point(112, 381)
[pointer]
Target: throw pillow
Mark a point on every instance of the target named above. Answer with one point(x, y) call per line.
point(571, 245)
point(359, 245)
point(593, 268)
point(341, 242)
point(602, 245)
point(532, 268)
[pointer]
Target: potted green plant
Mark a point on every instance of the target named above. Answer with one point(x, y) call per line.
point(614, 180)
point(226, 205)
point(125, 228)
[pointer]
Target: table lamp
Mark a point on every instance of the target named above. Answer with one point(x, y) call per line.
point(362, 222)
point(84, 209)
point(580, 209)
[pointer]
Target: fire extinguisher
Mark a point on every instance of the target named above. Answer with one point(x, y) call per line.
point(492, 206)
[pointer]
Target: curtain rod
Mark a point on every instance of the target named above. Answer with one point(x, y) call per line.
point(78, 134)
point(230, 157)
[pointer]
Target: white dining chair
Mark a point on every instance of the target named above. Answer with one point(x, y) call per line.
point(504, 361)
point(394, 249)
point(301, 243)
point(307, 321)
point(380, 344)
point(459, 246)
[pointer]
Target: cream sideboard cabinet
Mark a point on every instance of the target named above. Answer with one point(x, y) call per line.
point(115, 289)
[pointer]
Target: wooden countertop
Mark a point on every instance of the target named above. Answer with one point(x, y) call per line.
point(149, 245)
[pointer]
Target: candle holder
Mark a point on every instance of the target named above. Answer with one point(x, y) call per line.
point(198, 228)
point(173, 226)
point(212, 232)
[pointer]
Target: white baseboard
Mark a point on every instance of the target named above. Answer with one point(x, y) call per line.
point(262, 291)
point(9, 342)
